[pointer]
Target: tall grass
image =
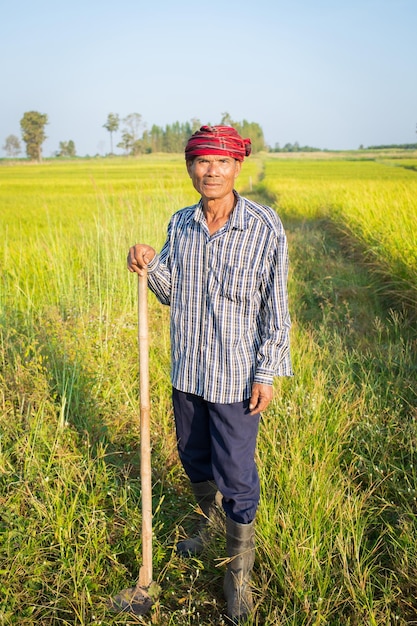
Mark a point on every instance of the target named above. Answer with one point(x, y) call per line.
point(374, 203)
point(336, 527)
point(332, 453)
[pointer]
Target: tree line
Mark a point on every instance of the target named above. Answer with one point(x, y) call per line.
point(32, 126)
point(135, 137)
point(392, 146)
point(294, 147)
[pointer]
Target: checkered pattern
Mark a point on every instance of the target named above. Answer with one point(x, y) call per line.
point(228, 299)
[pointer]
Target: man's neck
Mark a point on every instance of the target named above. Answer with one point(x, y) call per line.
point(218, 211)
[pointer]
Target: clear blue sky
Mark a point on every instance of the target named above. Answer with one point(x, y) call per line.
point(327, 73)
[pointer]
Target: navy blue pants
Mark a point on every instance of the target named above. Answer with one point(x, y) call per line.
point(217, 442)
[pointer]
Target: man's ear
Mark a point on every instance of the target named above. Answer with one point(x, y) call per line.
point(238, 167)
point(189, 164)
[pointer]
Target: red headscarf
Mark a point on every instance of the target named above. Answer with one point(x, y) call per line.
point(222, 140)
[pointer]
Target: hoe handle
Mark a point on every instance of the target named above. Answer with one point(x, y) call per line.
point(145, 573)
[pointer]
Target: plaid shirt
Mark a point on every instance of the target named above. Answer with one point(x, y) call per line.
point(228, 301)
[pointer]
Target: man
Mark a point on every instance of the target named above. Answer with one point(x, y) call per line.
point(223, 271)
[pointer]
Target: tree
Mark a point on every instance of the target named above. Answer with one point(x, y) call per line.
point(126, 142)
point(112, 125)
point(66, 149)
point(133, 122)
point(33, 133)
point(246, 129)
point(131, 143)
point(195, 125)
point(12, 146)
point(226, 120)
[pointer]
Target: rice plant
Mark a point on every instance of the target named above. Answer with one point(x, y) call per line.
point(336, 530)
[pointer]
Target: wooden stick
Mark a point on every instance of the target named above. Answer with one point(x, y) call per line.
point(145, 573)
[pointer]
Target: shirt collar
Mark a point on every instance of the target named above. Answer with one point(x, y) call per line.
point(237, 220)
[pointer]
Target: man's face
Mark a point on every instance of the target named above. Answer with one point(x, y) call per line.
point(213, 176)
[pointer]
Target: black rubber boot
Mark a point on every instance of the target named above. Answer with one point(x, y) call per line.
point(240, 547)
point(208, 499)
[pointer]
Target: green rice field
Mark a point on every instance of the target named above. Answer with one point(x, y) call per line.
point(337, 527)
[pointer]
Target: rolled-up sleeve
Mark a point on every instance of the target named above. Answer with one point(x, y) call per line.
point(159, 273)
point(273, 358)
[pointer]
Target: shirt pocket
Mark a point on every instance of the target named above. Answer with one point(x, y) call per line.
point(237, 284)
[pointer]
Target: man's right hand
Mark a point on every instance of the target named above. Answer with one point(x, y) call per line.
point(138, 258)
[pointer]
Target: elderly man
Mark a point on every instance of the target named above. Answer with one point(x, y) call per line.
point(223, 272)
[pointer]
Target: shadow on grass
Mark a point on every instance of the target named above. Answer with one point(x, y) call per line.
point(338, 300)
point(58, 362)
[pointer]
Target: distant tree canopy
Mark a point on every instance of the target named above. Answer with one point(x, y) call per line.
point(172, 138)
point(398, 146)
point(294, 147)
point(112, 125)
point(66, 149)
point(137, 139)
point(33, 133)
point(12, 146)
point(131, 143)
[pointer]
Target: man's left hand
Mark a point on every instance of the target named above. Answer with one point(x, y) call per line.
point(260, 398)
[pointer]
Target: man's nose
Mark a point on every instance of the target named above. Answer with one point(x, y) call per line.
point(212, 168)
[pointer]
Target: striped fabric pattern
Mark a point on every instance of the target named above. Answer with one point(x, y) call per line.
point(223, 140)
point(228, 301)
